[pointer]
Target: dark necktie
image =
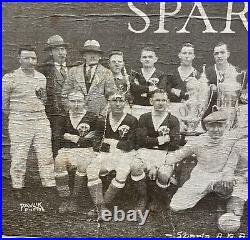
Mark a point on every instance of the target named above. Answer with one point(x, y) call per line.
point(221, 77)
point(88, 74)
point(88, 78)
point(63, 72)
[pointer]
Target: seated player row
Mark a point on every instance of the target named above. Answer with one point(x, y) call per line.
point(96, 146)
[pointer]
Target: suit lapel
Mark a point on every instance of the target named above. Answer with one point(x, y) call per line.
point(80, 79)
point(97, 77)
point(58, 77)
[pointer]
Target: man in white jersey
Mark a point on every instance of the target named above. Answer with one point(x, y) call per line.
point(239, 172)
point(23, 99)
point(212, 150)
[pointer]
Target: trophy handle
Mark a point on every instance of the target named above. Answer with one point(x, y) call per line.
point(183, 111)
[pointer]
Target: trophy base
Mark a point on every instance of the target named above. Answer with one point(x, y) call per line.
point(191, 132)
point(194, 133)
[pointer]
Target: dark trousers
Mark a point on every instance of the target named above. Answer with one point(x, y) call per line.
point(56, 124)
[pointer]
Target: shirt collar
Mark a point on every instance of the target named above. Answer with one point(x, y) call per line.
point(149, 75)
point(158, 121)
point(75, 120)
point(154, 113)
point(58, 66)
point(217, 71)
point(94, 66)
point(112, 123)
point(186, 78)
point(220, 75)
point(120, 76)
point(22, 73)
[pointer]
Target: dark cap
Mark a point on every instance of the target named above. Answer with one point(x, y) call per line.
point(218, 116)
point(26, 47)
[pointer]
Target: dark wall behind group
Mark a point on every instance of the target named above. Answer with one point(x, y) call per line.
point(34, 23)
point(108, 23)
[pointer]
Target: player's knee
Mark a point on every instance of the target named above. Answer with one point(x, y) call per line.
point(118, 183)
point(92, 172)
point(222, 191)
point(103, 171)
point(60, 163)
point(137, 168)
point(81, 170)
point(122, 173)
point(236, 205)
point(175, 207)
point(164, 174)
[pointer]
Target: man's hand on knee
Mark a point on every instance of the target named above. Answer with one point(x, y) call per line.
point(228, 181)
point(152, 174)
point(164, 173)
point(223, 188)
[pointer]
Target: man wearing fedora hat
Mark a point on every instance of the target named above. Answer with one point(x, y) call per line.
point(56, 73)
point(94, 80)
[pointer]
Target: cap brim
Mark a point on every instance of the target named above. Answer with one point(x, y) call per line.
point(84, 51)
point(212, 121)
point(90, 49)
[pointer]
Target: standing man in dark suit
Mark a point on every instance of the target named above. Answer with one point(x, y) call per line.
point(95, 81)
point(56, 72)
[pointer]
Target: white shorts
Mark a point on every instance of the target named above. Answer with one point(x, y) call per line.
point(151, 157)
point(74, 157)
point(194, 189)
point(116, 159)
point(241, 188)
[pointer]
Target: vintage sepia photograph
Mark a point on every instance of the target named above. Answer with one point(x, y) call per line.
point(125, 119)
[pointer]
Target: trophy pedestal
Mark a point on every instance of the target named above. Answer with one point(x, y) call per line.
point(186, 135)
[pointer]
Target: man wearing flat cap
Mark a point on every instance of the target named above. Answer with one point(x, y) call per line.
point(95, 81)
point(56, 73)
point(213, 169)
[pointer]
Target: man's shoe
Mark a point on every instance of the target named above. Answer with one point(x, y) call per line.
point(18, 194)
point(154, 205)
point(96, 213)
point(73, 207)
point(63, 208)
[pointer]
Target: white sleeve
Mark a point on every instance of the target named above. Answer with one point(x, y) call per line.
point(6, 90)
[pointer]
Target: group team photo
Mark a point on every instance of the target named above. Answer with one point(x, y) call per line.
point(110, 133)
